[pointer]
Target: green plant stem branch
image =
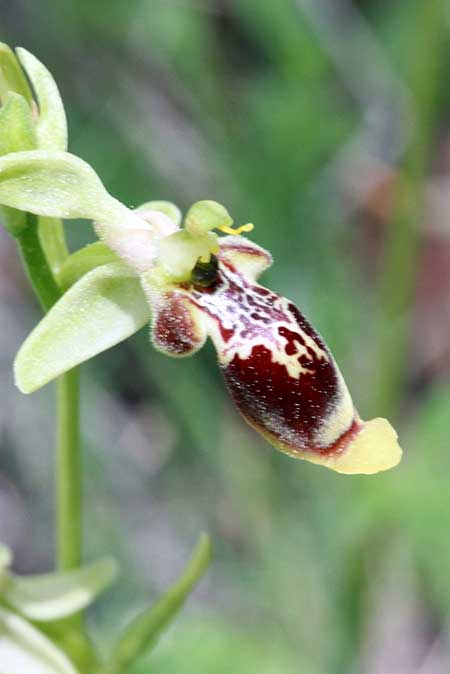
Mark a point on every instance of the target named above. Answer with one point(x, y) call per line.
point(402, 244)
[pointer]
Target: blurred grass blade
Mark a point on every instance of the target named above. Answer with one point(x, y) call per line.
point(144, 631)
point(25, 650)
point(57, 595)
point(102, 309)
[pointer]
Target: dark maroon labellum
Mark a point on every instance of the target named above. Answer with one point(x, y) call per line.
point(279, 371)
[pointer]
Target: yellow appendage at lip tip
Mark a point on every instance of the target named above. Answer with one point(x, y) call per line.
point(373, 450)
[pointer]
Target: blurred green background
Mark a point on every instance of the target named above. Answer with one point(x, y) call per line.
point(327, 124)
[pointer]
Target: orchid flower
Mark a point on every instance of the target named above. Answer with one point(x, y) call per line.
point(191, 280)
point(191, 284)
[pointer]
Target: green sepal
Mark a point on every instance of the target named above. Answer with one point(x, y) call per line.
point(144, 631)
point(51, 123)
point(54, 596)
point(82, 261)
point(103, 308)
point(60, 185)
point(54, 184)
point(12, 77)
point(24, 649)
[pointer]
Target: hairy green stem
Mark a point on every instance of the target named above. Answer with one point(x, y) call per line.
point(68, 470)
point(68, 461)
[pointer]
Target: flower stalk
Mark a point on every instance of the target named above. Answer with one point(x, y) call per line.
point(68, 472)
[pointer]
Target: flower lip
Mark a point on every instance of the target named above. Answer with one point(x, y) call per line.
point(280, 373)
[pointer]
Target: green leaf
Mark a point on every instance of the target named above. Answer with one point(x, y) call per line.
point(17, 130)
point(51, 124)
point(144, 631)
point(25, 650)
point(103, 308)
point(57, 595)
point(12, 77)
point(84, 260)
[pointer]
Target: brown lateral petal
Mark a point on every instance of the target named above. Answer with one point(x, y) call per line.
point(177, 328)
